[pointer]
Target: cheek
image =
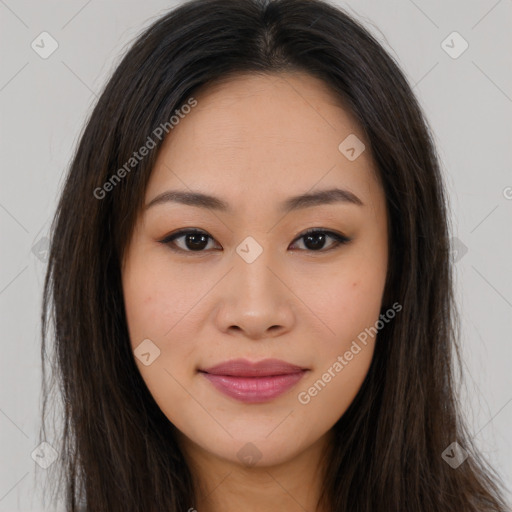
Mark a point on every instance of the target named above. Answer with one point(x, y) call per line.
point(152, 310)
point(161, 312)
point(349, 304)
point(354, 308)
point(343, 359)
point(157, 297)
point(347, 301)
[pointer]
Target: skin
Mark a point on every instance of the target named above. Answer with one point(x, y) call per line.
point(253, 141)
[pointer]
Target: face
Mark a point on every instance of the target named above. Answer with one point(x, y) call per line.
point(254, 275)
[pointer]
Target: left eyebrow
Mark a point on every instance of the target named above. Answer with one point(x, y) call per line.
point(198, 199)
point(329, 196)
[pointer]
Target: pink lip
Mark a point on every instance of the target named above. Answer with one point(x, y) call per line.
point(254, 382)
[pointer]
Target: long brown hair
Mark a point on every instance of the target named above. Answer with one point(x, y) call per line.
point(118, 450)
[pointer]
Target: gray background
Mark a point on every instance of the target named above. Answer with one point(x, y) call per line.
point(467, 100)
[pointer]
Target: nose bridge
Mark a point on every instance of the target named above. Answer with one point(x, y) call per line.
point(253, 298)
point(252, 264)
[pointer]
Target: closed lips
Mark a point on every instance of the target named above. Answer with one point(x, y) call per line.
point(244, 368)
point(253, 382)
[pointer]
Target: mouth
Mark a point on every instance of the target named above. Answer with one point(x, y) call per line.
point(254, 382)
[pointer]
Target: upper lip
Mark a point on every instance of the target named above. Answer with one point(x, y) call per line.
point(245, 368)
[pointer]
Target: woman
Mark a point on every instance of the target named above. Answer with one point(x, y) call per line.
point(250, 279)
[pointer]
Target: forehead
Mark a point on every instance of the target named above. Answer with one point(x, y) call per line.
point(264, 136)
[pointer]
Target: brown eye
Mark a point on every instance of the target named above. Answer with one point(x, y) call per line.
point(315, 239)
point(193, 241)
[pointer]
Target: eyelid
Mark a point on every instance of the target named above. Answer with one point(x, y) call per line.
point(339, 238)
point(167, 240)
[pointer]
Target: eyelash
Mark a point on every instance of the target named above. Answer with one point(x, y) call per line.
point(339, 239)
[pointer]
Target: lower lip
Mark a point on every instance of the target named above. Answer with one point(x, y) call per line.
point(254, 389)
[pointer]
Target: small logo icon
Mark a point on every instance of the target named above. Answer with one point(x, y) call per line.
point(44, 45)
point(454, 45)
point(44, 455)
point(146, 352)
point(249, 249)
point(454, 455)
point(249, 454)
point(458, 249)
point(351, 147)
point(40, 249)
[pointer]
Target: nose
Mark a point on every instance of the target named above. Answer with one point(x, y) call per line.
point(255, 301)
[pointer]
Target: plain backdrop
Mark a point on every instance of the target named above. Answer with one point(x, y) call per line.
point(467, 99)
